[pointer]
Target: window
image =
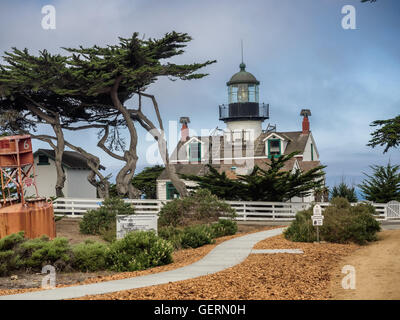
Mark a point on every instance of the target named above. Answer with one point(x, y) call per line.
point(274, 148)
point(43, 160)
point(233, 94)
point(172, 193)
point(195, 151)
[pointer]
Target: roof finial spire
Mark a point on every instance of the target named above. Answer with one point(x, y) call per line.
point(242, 65)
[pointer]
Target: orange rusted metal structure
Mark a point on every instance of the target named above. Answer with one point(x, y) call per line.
point(34, 216)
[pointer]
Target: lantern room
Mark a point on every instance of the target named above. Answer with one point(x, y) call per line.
point(243, 87)
point(243, 99)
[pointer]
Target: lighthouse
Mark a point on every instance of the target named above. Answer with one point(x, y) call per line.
point(244, 114)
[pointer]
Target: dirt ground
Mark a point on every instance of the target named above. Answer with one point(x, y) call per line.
point(69, 228)
point(377, 270)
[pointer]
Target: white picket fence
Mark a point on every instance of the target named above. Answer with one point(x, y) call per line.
point(74, 207)
point(245, 210)
point(284, 211)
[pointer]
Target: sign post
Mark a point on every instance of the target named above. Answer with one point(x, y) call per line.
point(317, 218)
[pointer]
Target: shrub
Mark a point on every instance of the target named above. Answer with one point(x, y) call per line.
point(11, 241)
point(301, 229)
point(224, 227)
point(110, 234)
point(36, 253)
point(139, 250)
point(200, 207)
point(9, 258)
point(8, 262)
point(343, 223)
point(101, 220)
point(197, 236)
point(173, 235)
point(90, 256)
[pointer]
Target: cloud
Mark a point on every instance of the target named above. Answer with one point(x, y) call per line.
point(297, 49)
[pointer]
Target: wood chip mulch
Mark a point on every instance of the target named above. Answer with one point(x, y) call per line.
point(261, 276)
point(181, 258)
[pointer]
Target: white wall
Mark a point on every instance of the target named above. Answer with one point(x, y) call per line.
point(46, 177)
point(78, 185)
point(162, 188)
point(247, 125)
point(307, 150)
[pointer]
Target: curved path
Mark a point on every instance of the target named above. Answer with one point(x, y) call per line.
point(223, 256)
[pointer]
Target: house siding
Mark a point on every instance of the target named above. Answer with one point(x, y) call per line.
point(76, 183)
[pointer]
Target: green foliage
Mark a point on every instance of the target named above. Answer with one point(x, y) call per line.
point(11, 241)
point(109, 234)
point(301, 229)
point(343, 223)
point(102, 220)
point(273, 184)
point(344, 191)
point(90, 256)
point(139, 250)
point(36, 253)
point(200, 207)
point(146, 181)
point(197, 236)
point(383, 185)
point(224, 227)
point(388, 135)
point(173, 235)
point(8, 262)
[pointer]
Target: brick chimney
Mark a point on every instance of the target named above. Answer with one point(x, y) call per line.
point(305, 113)
point(185, 128)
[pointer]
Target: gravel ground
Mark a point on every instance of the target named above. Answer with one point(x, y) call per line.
point(260, 276)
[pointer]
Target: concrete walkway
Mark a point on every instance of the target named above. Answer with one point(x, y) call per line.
point(223, 256)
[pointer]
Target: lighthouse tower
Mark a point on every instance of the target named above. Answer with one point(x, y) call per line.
point(244, 113)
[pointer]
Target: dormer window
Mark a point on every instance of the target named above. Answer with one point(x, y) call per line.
point(195, 151)
point(274, 148)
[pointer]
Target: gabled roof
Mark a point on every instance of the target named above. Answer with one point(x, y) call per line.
point(70, 159)
point(220, 147)
point(190, 169)
point(202, 169)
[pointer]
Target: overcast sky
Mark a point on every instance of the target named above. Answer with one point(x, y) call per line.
point(298, 50)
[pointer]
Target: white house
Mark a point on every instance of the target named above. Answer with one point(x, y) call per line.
point(244, 143)
point(76, 172)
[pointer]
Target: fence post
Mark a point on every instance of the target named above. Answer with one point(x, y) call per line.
point(244, 212)
point(73, 207)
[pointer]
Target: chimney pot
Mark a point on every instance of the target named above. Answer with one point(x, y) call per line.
point(185, 128)
point(306, 123)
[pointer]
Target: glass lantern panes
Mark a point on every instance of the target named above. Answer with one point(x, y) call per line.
point(243, 93)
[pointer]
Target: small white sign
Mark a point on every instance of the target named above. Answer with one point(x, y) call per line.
point(317, 211)
point(317, 221)
point(134, 222)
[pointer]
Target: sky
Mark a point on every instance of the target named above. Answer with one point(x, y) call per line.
point(298, 50)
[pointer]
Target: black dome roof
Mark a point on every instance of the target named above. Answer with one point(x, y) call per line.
point(243, 77)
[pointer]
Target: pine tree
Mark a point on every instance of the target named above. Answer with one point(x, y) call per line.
point(146, 181)
point(388, 135)
point(383, 185)
point(273, 184)
point(344, 191)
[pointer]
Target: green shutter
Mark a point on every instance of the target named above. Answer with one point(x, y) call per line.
point(312, 152)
